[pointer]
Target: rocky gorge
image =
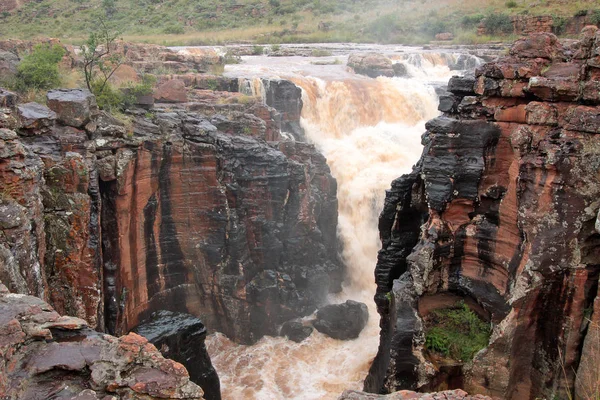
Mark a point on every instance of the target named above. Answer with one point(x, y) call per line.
point(205, 209)
point(500, 213)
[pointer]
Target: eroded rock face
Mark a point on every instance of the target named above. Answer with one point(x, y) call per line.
point(44, 355)
point(202, 208)
point(499, 211)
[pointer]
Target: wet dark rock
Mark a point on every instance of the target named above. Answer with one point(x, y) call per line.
point(295, 330)
point(180, 337)
point(462, 85)
point(342, 321)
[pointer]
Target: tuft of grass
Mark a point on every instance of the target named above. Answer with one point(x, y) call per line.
point(457, 332)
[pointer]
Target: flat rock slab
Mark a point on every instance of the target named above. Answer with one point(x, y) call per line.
point(36, 119)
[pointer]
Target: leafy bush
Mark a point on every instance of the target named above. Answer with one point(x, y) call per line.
point(174, 29)
point(107, 97)
point(39, 69)
point(595, 17)
point(258, 50)
point(456, 332)
point(581, 13)
point(470, 21)
point(558, 24)
point(320, 53)
point(511, 4)
point(499, 23)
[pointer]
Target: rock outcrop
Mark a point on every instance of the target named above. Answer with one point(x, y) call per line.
point(500, 212)
point(200, 208)
point(342, 321)
point(180, 337)
point(46, 356)
point(374, 65)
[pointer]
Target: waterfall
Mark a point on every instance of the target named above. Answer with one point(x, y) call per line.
point(369, 130)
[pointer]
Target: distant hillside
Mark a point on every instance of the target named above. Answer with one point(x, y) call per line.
point(278, 21)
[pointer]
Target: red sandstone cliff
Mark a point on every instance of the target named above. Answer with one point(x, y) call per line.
point(501, 212)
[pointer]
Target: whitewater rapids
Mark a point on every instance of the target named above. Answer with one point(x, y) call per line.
point(370, 131)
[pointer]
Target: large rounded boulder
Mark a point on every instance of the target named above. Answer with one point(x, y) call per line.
point(342, 321)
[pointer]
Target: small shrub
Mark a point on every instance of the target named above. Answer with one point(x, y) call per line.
point(231, 58)
point(320, 53)
point(456, 332)
point(258, 50)
point(470, 21)
point(498, 23)
point(511, 4)
point(581, 13)
point(558, 24)
point(107, 97)
point(275, 47)
point(595, 17)
point(39, 69)
point(174, 29)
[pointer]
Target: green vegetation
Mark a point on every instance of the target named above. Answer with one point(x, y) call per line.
point(187, 22)
point(457, 332)
point(39, 69)
point(498, 24)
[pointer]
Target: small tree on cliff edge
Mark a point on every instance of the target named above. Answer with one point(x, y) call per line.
point(100, 61)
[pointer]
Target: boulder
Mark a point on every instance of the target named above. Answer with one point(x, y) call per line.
point(8, 63)
point(181, 337)
point(7, 99)
point(61, 356)
point(371, 64)
point(74, 107)
point(35, 119)
point(462, 84)
point(342, 321)
point(172, 91)
point(295, 330)
point(538, 45)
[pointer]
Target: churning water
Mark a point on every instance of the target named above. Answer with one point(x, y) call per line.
point(370, 131)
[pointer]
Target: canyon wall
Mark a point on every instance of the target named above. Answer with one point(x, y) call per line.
point(199, 207)
point(500, 212)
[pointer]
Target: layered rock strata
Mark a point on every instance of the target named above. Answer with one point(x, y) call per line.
point(46, 356)
point(199, 208)
point(500, 213)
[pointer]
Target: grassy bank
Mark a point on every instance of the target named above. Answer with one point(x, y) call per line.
point(187, 22)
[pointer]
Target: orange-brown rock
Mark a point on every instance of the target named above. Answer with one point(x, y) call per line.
point(172, 91)
point(501, 212)
point(44, 355)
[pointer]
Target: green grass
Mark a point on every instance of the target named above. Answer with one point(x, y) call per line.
point(457, 333)
point(187, 22)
